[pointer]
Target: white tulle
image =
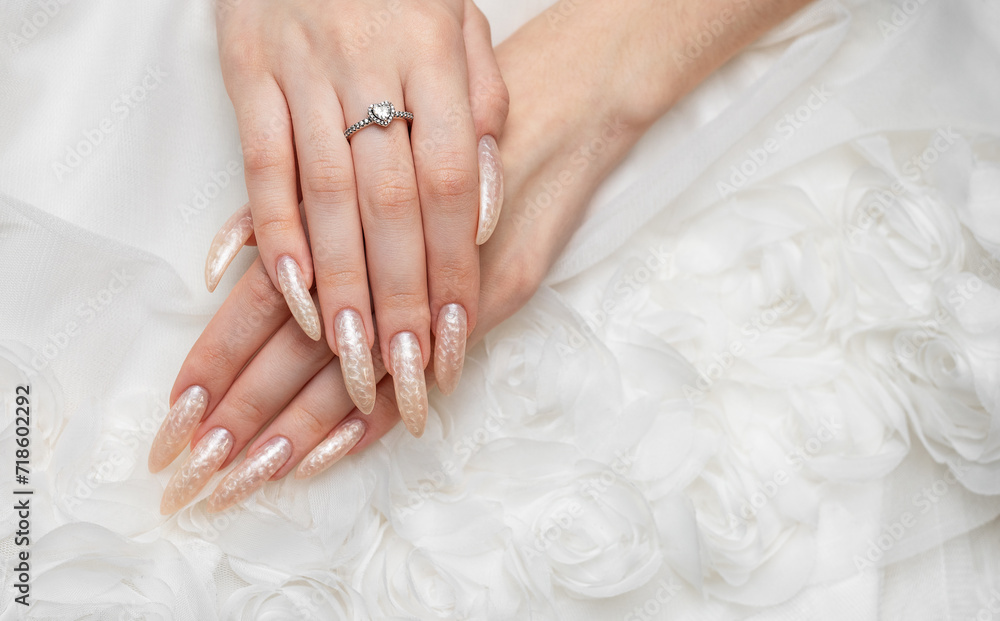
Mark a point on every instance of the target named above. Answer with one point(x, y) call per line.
point(763, 381)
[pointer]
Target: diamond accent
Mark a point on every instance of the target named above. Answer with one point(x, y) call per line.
point(382, 113)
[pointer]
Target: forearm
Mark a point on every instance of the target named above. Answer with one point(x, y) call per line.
point(656, 51)
point(588, 77)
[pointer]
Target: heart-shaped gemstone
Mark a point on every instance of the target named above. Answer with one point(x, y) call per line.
point(382, 113)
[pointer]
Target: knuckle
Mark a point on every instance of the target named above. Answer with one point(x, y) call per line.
point(242, 52)
point(438, 30)
point(247, 407)
point(330, 278)
point(328, 183)
point(449, 180)
point(216, 360)
point(272, 223)
point(310, 423)
point(261, 296)
point(455, 278)
point(407, 304)
point(393, 200)
point(263, 155)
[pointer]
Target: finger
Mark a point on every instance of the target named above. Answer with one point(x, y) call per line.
point(233, 235)
point(310, 423)
point(331, 205)
point(284, 365)
point(269, 161)
point(490, 102)
point(448, 181)
point(251, 313)
point(394, 245)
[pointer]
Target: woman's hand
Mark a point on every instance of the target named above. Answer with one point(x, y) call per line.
point(549, 139)
point(299, 73)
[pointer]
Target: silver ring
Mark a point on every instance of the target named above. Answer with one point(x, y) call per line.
point(379, 114)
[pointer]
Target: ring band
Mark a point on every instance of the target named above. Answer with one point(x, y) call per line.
point(379, 114)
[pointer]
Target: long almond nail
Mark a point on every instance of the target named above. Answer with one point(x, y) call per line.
point(293, 287)
point(250, 475)
point(490, 187)
point(227, 244)
point(355, 359)
point(408, 378)
point(177, 427)
point(449, 349)
point(197, 469)
point(332, 449)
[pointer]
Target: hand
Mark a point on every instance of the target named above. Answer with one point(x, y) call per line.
point(289, 369)
point(389, 226)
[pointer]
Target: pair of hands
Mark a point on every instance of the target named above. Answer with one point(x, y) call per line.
point(256, 380)
point(255, 368)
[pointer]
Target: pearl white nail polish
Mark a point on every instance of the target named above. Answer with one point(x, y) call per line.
point(177, 427)
point(408, 379)
point(355, 359)
point(490, 187)
point(227, 244)
point(293, 287)
point(449, 347)
point(251, 474)
point(331, 450)
point(203, 462)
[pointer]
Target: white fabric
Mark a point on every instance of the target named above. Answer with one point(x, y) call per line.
point(607, 456)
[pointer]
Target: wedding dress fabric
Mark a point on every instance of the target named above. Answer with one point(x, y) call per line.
point(762, 381)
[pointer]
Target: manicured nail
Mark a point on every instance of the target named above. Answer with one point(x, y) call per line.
point(293, 287)
point(408, 378)
point(332, 449)
point(227, 244)
point(250, 475)
point(197, 469)
point(490, 187)
point(177, 427)
point(355, 359)
point(449, 349)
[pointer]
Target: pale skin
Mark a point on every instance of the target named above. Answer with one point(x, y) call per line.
point(601, 65)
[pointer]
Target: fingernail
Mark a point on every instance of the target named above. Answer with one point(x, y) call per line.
point(332, 449)
point(408, 378)
point(490, 187)
point(177, 427)
point(250, 475)
point(227, 244)
point(449, 350)
point(197, 469)
point(355, 359)
point(293, 287)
